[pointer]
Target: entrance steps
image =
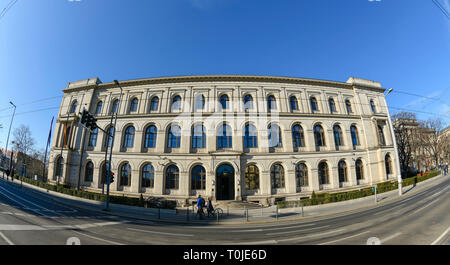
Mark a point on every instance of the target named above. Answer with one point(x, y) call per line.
point(236, 205)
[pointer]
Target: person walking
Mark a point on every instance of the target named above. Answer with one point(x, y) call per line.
point(210, 208)
point(200, 205)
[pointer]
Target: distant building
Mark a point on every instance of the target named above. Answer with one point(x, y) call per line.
point(253, 138)
point(33, 167)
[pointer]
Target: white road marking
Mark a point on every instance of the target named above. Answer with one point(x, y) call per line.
point(252, 243)
point(162, 233)
point(340, 239)
point(251, 230)
point(390, 237)
point(423, 207)
point(294, 231)
point(440, 237)
point(97, 238)
point(6, 239)
point(313, 235)
point(287, 227)
point(20, 227)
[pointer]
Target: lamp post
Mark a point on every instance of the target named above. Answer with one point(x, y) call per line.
point(108, 171)
point(7, 139)
point(399, 176)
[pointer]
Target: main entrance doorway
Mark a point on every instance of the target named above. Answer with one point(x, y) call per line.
point(225, 182)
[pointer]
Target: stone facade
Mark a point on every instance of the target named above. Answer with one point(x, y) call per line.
point(202, 98)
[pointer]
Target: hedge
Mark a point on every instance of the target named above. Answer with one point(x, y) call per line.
point(323, 198)
point(152, 202)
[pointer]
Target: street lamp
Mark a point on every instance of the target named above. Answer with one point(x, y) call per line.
point(6, 151)
point(108, 171)
point(399, 177)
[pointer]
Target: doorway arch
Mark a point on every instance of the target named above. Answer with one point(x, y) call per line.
point(225, 182)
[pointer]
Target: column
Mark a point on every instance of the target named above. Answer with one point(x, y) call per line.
point(291, 185)
point(287, 141)
point(314, 180)
point(184, 184)
point(264, 182)
point(159, 182)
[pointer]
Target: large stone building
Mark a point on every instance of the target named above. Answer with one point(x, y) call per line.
point(253, 138)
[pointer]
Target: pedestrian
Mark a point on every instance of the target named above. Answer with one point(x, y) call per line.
point(210, 208)
point(446, 169)
point(200, 204)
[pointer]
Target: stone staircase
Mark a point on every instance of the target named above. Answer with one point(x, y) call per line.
point(236, 205)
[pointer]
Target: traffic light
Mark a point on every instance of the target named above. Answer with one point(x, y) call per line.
point(111, 178)
point(88, 120)
point(84, 116)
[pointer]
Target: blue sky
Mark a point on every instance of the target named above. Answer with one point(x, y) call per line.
point(404, 44)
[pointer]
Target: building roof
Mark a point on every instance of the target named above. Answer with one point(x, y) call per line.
point(351, 82)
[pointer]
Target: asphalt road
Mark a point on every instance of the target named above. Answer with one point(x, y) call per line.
point(27, 218)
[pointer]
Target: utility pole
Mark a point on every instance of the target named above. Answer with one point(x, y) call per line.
point(108, 175)
point(399, 176)
point(7, 140)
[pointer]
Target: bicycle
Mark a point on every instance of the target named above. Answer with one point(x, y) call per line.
point(217, 211)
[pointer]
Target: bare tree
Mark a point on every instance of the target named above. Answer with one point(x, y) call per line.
point(405, 124)
point(23, 142)
point(430, 140)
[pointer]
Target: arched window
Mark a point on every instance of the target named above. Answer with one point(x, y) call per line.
point(98, 110)
point(198, 175)
point(381, 135)
point(301, 175)
point(337, 135)
point(271, 103)
point(199, 102)
point(314, 106)
point(372, 106)
point(224, 102)
point(176, 104)
point(250, 136)
point(332, 105)
point(133, 105)
point(148, 176)
point(277, 176)
point(109, 137)
point(319, 136)
point(348, 105)
point(224, 137)
point(342, 169)
point(359, 169)
point(198, 136)
point(174, 137)
point(251, 177)
point(274, 135)
point(93, 137)
point(388, 164)
point(172, 177)
point(128, 140)
point(354, 134)
point(294, 103)
point(154, 104)
point(125, 175)
point(298, 137)
point(150, 136)
point(115, 106)
point(248, 102)
point(73, 109)
point(323, 173)
point(89, 172)
point(59, 167)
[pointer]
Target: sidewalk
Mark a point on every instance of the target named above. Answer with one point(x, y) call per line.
point(230, 216)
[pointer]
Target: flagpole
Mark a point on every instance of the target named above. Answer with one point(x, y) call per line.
point(44, 179)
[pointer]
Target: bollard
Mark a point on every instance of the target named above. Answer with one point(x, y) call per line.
point(302, 210)
point(187, 214)
point(376, 194)
point(217, 214)
point(246, 214)
point(228, 210)
point(276, 211)
point(159, 213)
point(261, 211)
point(193, 211)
